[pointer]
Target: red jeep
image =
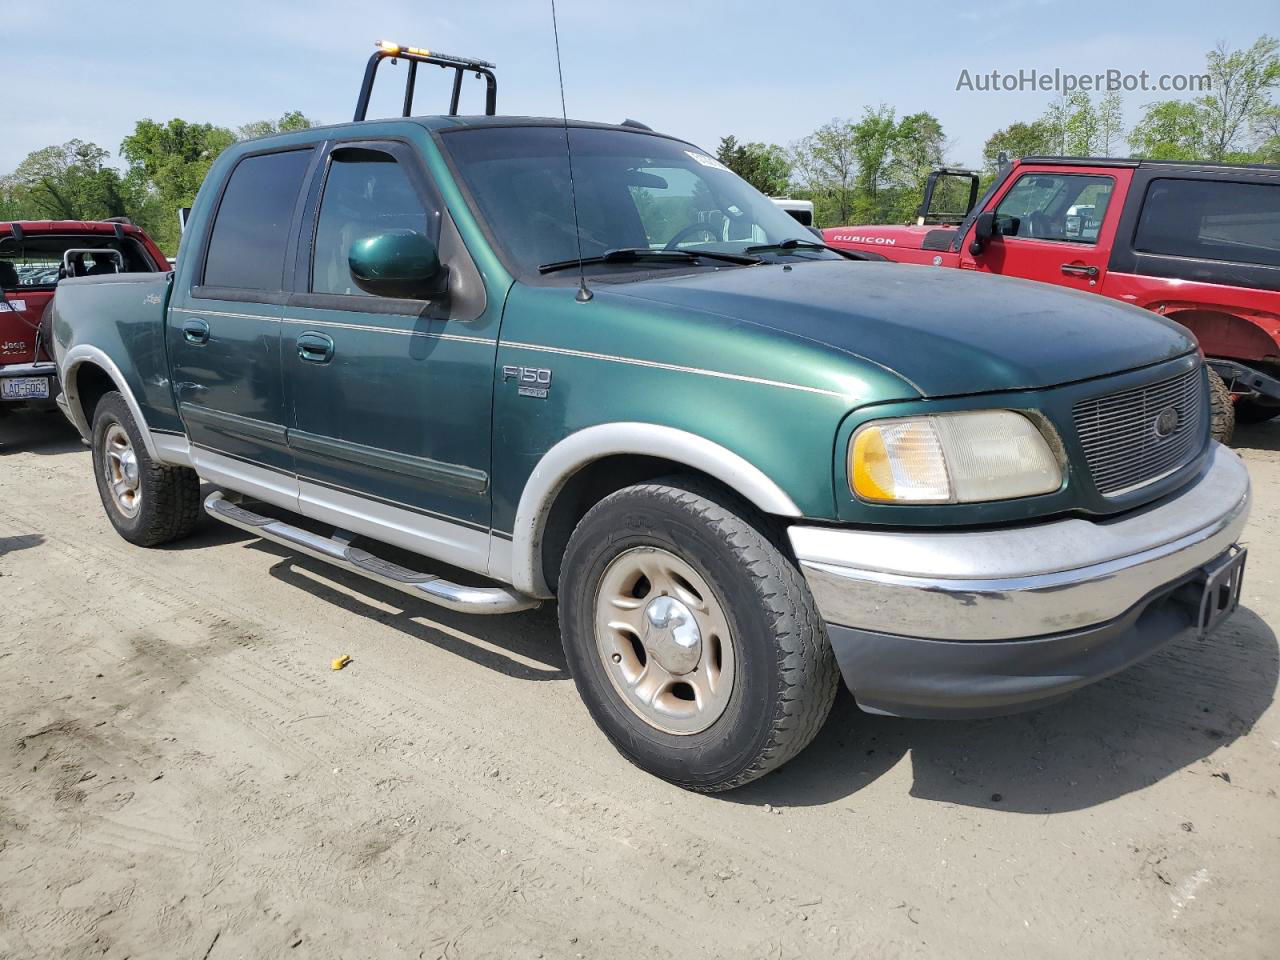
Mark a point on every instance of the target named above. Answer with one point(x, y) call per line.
point(1198, 243)
point(34, 256)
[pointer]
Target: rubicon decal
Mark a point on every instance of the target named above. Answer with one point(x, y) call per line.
point(855, 238)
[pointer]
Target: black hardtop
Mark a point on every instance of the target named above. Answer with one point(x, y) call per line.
point(1163, 165)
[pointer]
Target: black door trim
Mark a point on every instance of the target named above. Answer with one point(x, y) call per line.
point(450, 475)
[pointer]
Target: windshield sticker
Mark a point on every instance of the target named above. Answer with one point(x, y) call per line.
point(706, 161)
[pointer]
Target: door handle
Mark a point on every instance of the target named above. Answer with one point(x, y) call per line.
point(315, 348)
point(195, 331)
point(1077, 270)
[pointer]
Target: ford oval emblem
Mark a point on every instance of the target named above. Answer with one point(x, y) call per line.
point(1166, 421)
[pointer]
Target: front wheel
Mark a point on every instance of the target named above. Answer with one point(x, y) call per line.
point(693, 640)
point(148, 503)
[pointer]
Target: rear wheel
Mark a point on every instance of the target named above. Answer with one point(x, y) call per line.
point(148, 503)
point(692, 638)
point(1222, 410)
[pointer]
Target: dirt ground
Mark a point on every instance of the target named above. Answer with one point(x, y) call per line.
point(182, 775)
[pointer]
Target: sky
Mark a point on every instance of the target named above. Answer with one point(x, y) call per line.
point(698, 69)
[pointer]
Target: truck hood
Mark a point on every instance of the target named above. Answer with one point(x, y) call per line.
point(946, 332)
point(901, 238)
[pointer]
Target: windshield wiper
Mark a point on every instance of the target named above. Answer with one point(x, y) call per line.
point(634, 254)
point(795, 243)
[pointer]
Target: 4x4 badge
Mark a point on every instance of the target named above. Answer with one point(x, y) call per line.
point(531, 381)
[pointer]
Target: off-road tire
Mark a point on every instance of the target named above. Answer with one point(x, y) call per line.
point(1222, 410)
point(1251, 411)
point(785, 676)
point(169, 506)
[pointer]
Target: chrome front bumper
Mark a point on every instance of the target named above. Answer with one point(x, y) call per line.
point(1031, 611)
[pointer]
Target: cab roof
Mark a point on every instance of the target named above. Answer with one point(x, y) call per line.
point(445, 123)
point(480, 120)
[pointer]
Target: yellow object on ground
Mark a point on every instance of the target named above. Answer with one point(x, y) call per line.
point(340, 662)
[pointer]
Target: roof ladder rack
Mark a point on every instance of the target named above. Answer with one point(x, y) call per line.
point(414, 55)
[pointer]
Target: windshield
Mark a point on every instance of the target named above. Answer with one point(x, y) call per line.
point(635, 191)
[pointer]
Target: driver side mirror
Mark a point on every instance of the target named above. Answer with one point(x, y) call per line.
point(402, 264)
point(984, 228)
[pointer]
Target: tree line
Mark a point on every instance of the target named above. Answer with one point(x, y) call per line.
point(166, 164)
point(872, 169)
point(865, 170)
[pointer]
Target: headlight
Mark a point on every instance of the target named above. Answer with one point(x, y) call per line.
point(952, 458)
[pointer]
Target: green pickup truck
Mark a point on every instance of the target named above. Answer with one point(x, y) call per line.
point(744, 464)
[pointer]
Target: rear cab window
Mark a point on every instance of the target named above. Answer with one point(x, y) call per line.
point(1211, 220)
point(1063, 207)
point(251, 231)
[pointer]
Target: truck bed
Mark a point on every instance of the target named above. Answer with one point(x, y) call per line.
point(122, 315)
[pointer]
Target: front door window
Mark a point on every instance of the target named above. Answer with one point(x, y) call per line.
point(1060, 207)
point(367, 193)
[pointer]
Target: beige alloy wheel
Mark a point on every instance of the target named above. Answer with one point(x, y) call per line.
point(664, 641)
point(121, 471)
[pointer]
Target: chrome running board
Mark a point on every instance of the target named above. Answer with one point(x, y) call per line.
point(338, 551)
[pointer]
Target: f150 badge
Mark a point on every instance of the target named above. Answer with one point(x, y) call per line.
point(530, 381)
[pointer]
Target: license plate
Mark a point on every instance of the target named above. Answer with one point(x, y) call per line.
point(24, 388)
point(1224, 578)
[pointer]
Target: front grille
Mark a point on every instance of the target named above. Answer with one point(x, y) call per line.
point(1122, 432)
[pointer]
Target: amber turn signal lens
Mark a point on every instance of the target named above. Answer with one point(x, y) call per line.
point(899, 462)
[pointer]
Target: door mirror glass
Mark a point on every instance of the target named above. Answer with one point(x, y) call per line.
point(1005, 226)
point(398, 263)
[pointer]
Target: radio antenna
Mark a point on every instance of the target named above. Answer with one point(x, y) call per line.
point(584, 295)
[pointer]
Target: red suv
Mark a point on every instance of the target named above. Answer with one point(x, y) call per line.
point(34, 256)
point(1197, 243)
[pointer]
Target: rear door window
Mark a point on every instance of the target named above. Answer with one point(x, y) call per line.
point(251, 231)
point(1062, 207)
point(1211, 220)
